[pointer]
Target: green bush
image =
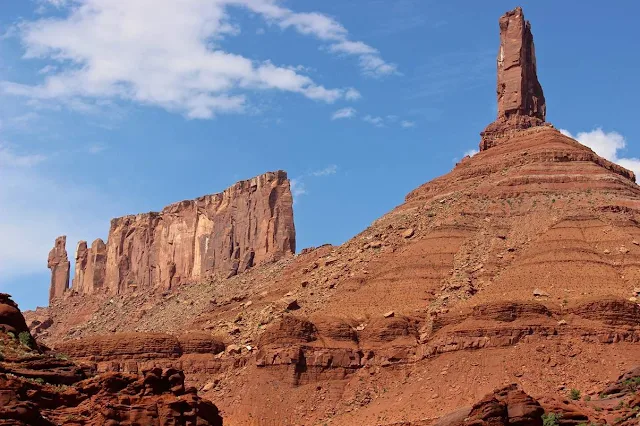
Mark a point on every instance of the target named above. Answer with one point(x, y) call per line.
point(574, 394)
point(26, 339)
point(550, 419)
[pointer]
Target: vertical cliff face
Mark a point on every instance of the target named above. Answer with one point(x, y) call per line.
point(59, 264)
point(248, 224)
point(521, 102)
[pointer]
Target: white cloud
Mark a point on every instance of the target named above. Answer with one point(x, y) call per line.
point(329, 170)
point(352, 94)
point(374, 66)
point(376, 121)
point(407, 124)
point(352, 48)
point(324, 28)
point(167, 54)
point(607, 145)
point(344, 113)
point(470, 153)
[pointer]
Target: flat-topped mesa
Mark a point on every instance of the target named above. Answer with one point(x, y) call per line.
point(59, 264)
point(248, 224)
point(521, 102)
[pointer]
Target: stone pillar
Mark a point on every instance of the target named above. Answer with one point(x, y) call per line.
point(521, 102)
point(60, 266)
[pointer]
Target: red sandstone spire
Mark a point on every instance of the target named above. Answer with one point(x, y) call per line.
point(521, 101)
point(59, 264)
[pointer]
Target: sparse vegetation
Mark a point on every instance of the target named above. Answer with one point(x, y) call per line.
point(632, 384)
point(574, 394)
point(26, 339)
point(551, 419)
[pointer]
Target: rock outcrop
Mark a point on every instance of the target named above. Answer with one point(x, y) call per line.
point(521, 102)
point(248, 224)
point(45, 389)
point(11, 320)
point(60, 266)
point(506, 406)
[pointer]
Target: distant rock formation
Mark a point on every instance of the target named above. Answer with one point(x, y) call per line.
point(248, 224)
point(60, 266)
point(91, 266)
point(521, 102)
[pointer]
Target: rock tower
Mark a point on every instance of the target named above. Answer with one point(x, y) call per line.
point(60, 266)
point(521, 102)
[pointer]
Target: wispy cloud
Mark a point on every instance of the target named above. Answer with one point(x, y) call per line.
point(388, 120)
point(10, 159)
point(96, 148)
point(608, 145)
point(344, 113)
point(298, 184)
point(470, 153)
point(329, 170)
point(297, 188)
point(376, 121)
point(167, 54)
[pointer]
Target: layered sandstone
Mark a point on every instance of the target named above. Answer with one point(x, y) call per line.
point(227, 233)
point(521, 102)
point(44, 389)
point(60, 266)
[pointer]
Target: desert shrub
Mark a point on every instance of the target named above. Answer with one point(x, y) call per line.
point(550, 419)
point(574, 394)
point(632, 384)
point(26, 339)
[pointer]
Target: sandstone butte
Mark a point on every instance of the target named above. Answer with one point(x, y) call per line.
point(499, 293)
point(248, 224)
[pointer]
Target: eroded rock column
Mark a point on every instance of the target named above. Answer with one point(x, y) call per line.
point(60, 266)
point(521, 102)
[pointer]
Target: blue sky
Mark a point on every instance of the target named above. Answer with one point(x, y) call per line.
point(115, 107)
